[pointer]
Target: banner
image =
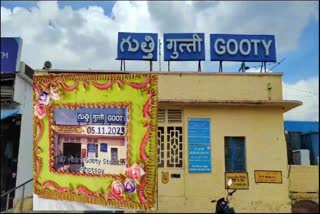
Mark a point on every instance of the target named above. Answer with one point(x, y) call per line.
point(85, 149)
point(10, 54)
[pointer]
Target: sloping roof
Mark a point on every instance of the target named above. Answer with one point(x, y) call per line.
point(8, 112)
point(301, 126)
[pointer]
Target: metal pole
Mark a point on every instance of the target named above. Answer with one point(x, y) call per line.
point(120, 65)
point(261, 67)
point(243, 67)
point(220, 66)
point(168, 66)
point(124, 65)
point(159, 55)
point(7, 204)
point(22, 198)
point(199, 66)
point(265, 66)
point(150, 65)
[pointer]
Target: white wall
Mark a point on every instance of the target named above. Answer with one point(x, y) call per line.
point(23, 95)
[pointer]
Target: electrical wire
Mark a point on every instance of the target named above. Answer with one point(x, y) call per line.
point(277, 64)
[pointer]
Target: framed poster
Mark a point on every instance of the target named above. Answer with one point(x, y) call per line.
point(199, 143)
point(84, 149)
point(268, 176)
point(240, 180)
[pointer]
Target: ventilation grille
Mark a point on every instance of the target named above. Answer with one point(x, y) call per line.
point(169, 116)
point(174, 116)
point(161, 116)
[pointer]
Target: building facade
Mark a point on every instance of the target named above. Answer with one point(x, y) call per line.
point(245, 113)
point(238, 118)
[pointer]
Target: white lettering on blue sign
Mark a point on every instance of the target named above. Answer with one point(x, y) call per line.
point(194, 43)
point(222, 47)
point(147, 46)
point(115, 118)
point(98, 118)
point(245, 48)
point(4, 55)
point(83, 117)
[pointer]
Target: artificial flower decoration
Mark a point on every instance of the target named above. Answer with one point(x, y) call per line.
point(135, 171)
point(129, 186)
point(117, 188)
point(39, 110)
point(54, 92)
point(44, 98)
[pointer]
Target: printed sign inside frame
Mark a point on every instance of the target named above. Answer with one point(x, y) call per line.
point(268, 176)
point(135, 95)
point(240, 180)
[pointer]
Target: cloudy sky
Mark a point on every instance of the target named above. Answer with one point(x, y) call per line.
point(83, 35)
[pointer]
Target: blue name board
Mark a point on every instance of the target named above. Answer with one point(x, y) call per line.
point(103, 147)
point(98, 118)
point(184, 46)
point(10, 54)
point(137, 46)
point(85, 118)
point(116, 118)
point(249, 48)
point(199, 145)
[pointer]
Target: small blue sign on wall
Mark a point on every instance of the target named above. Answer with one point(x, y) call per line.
point(137, 46)
point(245, 48)
point(199, 158)
point(199, 131)
point(92, 147)
point(184, 47)
point(199, 145)
point(10, 54)
point(103, 147)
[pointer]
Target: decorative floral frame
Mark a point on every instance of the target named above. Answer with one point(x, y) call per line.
point(138, 93)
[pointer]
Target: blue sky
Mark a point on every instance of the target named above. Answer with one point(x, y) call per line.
point(303, 61)
point(85, 37)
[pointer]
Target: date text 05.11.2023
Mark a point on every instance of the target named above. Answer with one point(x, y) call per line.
point(106, 130)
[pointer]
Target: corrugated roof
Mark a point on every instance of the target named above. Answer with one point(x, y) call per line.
point(301, 126)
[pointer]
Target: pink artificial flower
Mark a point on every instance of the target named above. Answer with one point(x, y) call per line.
point(117, 188)
point(39, 110)
point(135, 171)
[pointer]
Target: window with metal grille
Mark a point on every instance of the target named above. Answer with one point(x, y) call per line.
point(235, 157)
point(170, 138)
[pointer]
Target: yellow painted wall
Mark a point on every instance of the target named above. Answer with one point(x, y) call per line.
point(304, 182)
point(262, 128)
point(304, 178)
point(220, 86)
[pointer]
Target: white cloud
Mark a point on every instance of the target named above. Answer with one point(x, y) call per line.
point(87, 38)
point(306, 91)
